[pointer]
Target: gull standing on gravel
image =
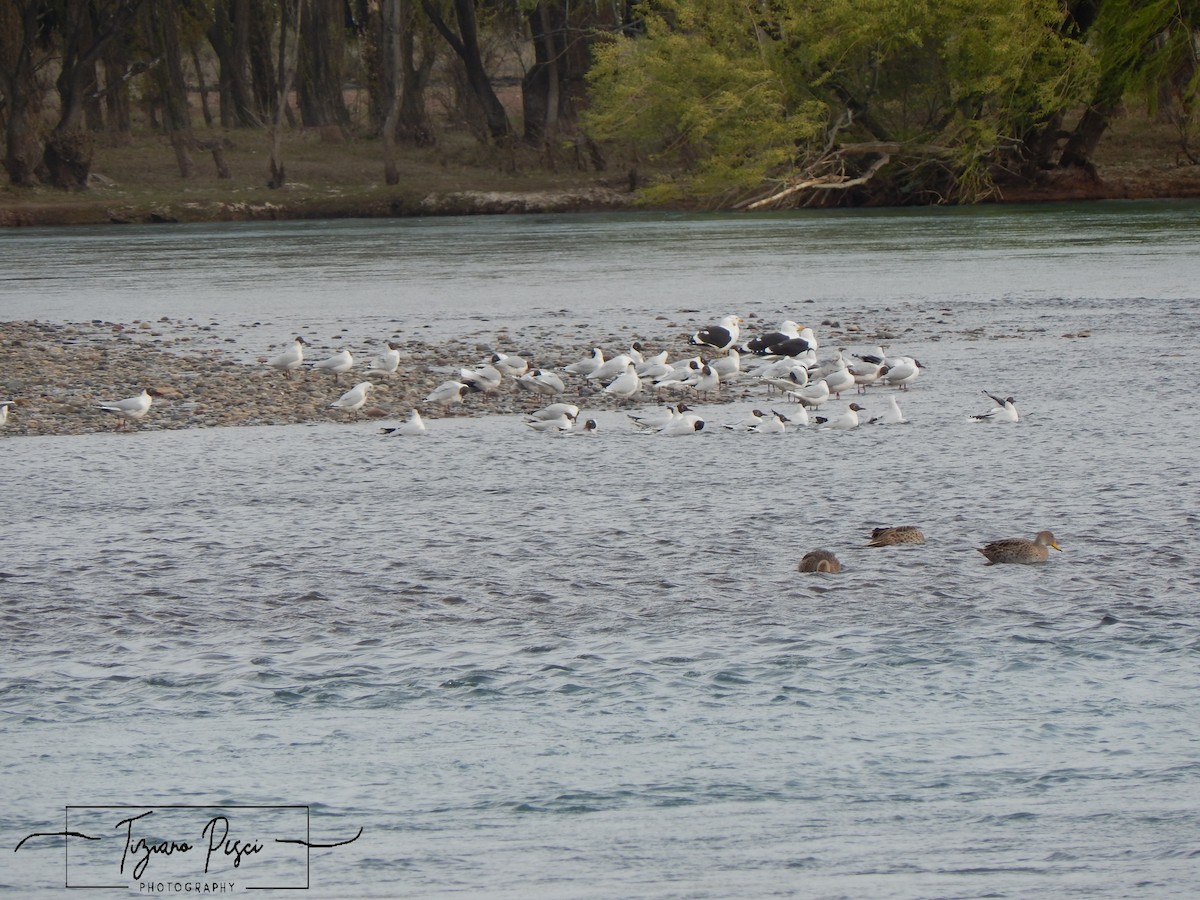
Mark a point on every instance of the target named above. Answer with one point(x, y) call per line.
point(447, 393)
point(130, 409)
point(337, 364)
point(290, 359)
point(542, 382)
point(355, 398)
point(625, 385)
point(387, 361)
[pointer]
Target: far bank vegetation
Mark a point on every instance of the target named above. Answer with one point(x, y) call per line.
point(750, 105)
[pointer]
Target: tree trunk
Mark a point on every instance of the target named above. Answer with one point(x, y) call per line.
point(18, 74)
point(413, 124)
point(163, 34)
point(229, 35)
point(539, 87)
point(1094, 122)
point(466, 45)
point(390, 58)
point(68, 154)
point(258, 33)
point(289, 21)
point(319, 74)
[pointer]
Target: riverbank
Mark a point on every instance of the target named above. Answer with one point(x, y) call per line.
point(139, 182)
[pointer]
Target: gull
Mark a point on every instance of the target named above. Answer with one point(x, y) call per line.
point(635, 353)
point(707, 381)
point(785, 374)
point(612, 368)
point(447, 393)
point(483, 380)
point(542, 382)
point(290, 359)
point(683, 425)
point(129, 409)
point(660, 417)
point(554, 410)
point(719, 337)
point(653, 362)
point(762, 344)
point(875, 357)
point(588, 427)
point(355, 398)
point(892, 416)
point(509, 364)
point(866, 374)
point(814, 395)
point(337, 364)
point(4, 405)
point(413, 426)
point(840, 379)
point(775, 424)
point(625, 385)
point(387, 361)
point(752, 421)
point(1006, 411)
point(727, 366)
point(559, 423)
point(844, 422)
point(587, 365)
point(800, 416)
point(902, 371)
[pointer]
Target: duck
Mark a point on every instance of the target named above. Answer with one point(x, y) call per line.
point(291, 358)
point(896, 534)
point(1020, 550)
point(128, 410)
point(820, 561)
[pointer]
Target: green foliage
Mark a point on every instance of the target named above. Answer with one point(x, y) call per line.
point(749, 93)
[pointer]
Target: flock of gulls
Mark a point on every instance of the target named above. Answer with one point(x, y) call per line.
point(783, 360)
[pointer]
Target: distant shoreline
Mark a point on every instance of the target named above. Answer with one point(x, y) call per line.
point(47, 209)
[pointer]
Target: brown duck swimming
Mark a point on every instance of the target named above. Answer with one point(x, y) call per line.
point(897, 534)
point(1020, 550)
point(820, 561)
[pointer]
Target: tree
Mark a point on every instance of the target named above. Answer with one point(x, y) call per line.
point(289, 25)
point(20, 60)
point(162, 29)
point(84, 31)
point(807, 101)
point(465, 43)
point(320, 69)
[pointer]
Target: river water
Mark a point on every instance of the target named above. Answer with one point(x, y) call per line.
point(532, 666)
